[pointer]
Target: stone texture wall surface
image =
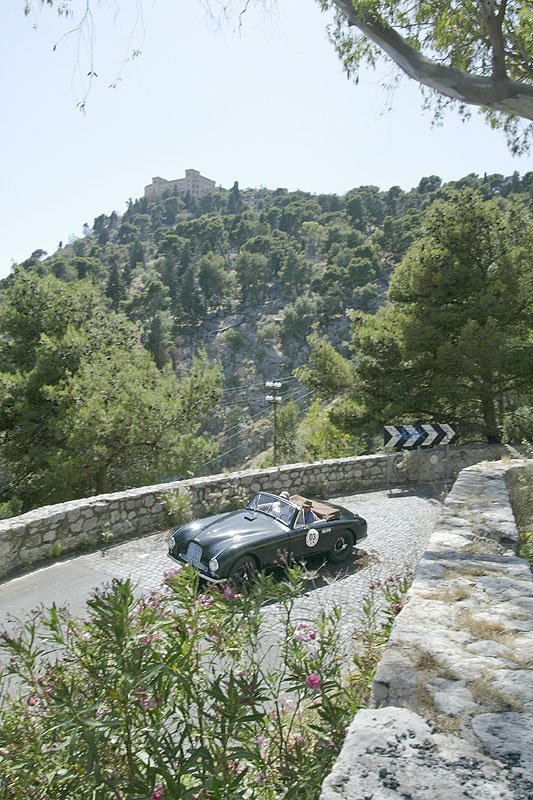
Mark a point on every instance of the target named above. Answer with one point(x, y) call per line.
point(52, 531)
point(452, 713)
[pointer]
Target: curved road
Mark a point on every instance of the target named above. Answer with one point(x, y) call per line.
point(399, 525)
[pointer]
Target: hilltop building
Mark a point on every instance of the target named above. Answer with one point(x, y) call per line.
point(193, 182)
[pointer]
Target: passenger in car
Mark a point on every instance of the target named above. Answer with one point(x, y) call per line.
point(309, 514)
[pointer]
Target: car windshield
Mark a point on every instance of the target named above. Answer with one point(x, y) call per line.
point(274, 506)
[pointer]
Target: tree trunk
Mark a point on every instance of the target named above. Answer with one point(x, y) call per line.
point(490, 424)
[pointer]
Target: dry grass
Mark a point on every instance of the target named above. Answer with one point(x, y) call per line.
point(427, 662)
point(475, 501)
point(486, 695)
point(448, 594)
point(482, 629)
point(425, 705)
point(470, 571)
point(482, 546)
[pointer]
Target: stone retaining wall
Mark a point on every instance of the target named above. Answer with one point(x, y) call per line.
point(52, 531)
point(452, 714)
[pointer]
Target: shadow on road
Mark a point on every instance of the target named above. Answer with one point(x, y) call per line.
point(427, 491)
point(318, 573)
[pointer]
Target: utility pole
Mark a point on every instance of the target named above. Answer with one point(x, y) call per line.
point(274, 400)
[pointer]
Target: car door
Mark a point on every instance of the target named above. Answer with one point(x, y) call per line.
point(305, 540)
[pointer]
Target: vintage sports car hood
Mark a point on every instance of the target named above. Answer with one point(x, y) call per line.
point(219, 530)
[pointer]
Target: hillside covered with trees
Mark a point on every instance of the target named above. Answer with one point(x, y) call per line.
point(140, 351)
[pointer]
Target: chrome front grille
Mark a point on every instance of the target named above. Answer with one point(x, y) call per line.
point(193, 555)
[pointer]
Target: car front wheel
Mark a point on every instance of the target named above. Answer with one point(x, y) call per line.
point(342, 547)
point(243, 571)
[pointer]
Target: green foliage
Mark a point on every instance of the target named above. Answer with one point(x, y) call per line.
point(215, 282)
point(521, 486)
point(123, 423)
point(322, 439)
point(517, 426)
point(234, 339)
point(327, 371)
point(269, 333)
point(175, 695)
point(453, 342)
point(83, 408)
point(178, 507)
point(300, 316)
point(252, 275)
point(305, 262)
point(460, 46)
point(287, 432)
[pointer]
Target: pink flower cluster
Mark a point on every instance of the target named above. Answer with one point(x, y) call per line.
point(146, 702)
point(313, 682)
point(229, 594)
point(304, 633)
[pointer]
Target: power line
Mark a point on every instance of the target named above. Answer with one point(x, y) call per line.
point(259, 413)
point(254, 438)
point(254, 385)
point(227, 439)
point(227, 452)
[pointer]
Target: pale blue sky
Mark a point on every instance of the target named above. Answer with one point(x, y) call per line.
point(269, 106)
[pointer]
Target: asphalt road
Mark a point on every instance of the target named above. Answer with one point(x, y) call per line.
point(399, 525)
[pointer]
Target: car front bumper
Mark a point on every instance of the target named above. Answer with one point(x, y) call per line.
point(203, 575)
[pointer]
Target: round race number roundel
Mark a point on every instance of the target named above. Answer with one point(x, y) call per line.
point(312, 537)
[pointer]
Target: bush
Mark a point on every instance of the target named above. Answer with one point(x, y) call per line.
point(233, 339)
point(269, 333)
point(178, 695)
point(178, 507)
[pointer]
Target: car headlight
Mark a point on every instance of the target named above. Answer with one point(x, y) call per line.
point(170, 541)
point(213, 566)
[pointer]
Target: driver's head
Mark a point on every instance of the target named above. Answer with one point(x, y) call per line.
point(285, 495)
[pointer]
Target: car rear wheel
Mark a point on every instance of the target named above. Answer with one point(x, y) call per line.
point(243, 571)
point(342, 547)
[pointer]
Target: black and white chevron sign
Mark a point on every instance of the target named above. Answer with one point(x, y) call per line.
point(409, 437)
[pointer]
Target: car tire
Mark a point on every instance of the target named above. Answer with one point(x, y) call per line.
point(342, 547)
point(243, 571)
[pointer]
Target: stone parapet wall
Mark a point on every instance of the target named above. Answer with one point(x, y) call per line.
point(452, 714)
point(52, 531)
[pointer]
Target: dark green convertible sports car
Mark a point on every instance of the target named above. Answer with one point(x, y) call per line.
point(270, 530)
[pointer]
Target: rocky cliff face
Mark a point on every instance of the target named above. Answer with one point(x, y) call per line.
point(250, 344)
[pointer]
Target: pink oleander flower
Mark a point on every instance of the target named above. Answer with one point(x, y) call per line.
point(147, 703)
point(329, 745)
point(313, 681)
point(157, 794)
point(228, 593)
point(304, 633)
point(205, 600)
point(32, 701)
point(170, 573)
point(397, 607)
point(150, 639)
